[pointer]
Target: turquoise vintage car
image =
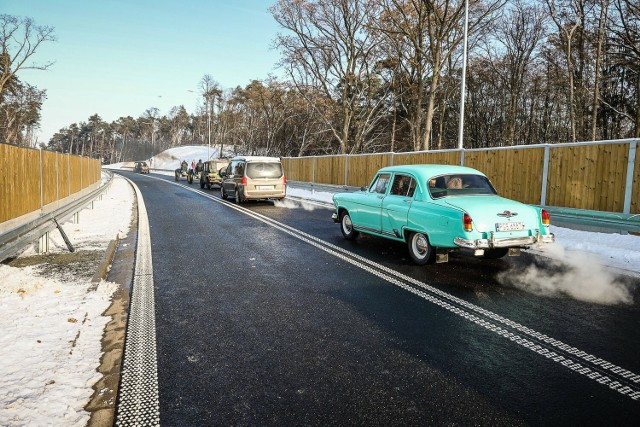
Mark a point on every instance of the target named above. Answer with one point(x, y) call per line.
point(437, 209)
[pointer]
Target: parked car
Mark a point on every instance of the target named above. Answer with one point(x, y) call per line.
point(141, 167)
point(437, 209)
point(210, 174)
point(253, 178)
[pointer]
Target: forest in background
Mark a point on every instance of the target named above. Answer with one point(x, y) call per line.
point(367, 76)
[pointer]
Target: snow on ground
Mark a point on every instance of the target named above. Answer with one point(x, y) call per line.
point(52, 326)
point(50, 346)
point(170, 159)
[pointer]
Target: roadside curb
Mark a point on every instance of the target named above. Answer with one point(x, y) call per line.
point(117, 267)
point(105, 264)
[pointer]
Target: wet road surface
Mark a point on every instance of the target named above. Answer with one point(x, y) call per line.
point(265, 315)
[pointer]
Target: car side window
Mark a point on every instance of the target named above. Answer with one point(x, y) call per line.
point(379, 185)
point(403, 185)
point(238, 168)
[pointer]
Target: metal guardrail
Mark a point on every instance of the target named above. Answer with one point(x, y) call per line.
point(14, 240)
point(595, 220)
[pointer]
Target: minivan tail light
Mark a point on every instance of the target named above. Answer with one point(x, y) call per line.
point(467, 222)
point(546, 218)
point(244, 180)
point(284, 179)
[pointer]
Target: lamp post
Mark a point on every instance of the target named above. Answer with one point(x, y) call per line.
point(208, 125)
point(464, 74)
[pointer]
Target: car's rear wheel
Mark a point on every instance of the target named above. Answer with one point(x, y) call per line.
point(420, 250)
point(346, 226)
point(222, 193)
point(177, 176)
point(495, 253)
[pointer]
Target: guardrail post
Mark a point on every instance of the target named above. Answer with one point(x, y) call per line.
point(43, 244)
point(631, 162)
point(545, 176)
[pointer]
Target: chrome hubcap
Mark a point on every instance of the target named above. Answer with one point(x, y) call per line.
point(420, 244)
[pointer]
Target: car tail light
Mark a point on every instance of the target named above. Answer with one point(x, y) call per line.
point(284, 179)
point(244, 180)
point(546, 218)
point(467, 222)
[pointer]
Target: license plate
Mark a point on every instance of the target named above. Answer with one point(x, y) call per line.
point(264, 187)
point(509, 226)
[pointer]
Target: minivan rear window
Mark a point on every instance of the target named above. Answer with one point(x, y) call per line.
point(256, 170)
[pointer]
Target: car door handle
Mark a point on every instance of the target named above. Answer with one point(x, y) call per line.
point(380, 197)
point(407, 200)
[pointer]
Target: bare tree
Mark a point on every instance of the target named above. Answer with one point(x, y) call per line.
point(626, 50)
point(211, 92)
point(517, 36)
point(330, 49)
point(427, 34)
point(568, 21)
point(19, 40)
point(604, 10)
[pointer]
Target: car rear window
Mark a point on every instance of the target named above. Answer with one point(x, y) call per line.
point(460, 185)
point(256, 170)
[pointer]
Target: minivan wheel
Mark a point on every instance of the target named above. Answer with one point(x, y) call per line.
point(346, 226)
point(420, 250)
point(238, 196)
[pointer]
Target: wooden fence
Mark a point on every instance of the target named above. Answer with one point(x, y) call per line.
point(33, 180)
point(601, 176)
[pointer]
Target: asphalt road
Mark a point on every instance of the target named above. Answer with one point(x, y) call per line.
point(265, 315)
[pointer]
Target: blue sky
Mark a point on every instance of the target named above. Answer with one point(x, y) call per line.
point(120, 57)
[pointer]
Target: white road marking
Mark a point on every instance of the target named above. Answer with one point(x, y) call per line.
point(597, 369)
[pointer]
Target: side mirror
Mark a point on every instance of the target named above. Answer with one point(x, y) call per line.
point(222, 172)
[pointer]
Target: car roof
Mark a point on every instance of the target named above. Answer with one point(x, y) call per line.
point(426, 171)
point(257, 158)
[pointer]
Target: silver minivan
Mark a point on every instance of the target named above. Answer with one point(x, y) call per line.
point(253, 178)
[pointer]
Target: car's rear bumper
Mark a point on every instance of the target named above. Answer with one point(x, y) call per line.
point(262, 194)
point(513, 242)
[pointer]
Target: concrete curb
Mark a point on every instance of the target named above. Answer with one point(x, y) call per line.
point(105, 264)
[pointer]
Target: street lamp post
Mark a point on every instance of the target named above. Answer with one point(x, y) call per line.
point(208, 126)
point(464, 75)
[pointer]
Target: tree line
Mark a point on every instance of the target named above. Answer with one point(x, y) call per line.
point(363, 76)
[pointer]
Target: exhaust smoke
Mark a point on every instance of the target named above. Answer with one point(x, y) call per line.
point(578, 275)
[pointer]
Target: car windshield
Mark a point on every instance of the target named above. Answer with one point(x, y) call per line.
point(460, 185)
point(264, 170)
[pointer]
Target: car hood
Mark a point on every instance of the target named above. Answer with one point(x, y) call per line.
point(486, 211)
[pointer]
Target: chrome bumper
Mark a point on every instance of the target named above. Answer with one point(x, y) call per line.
point(492, 242)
